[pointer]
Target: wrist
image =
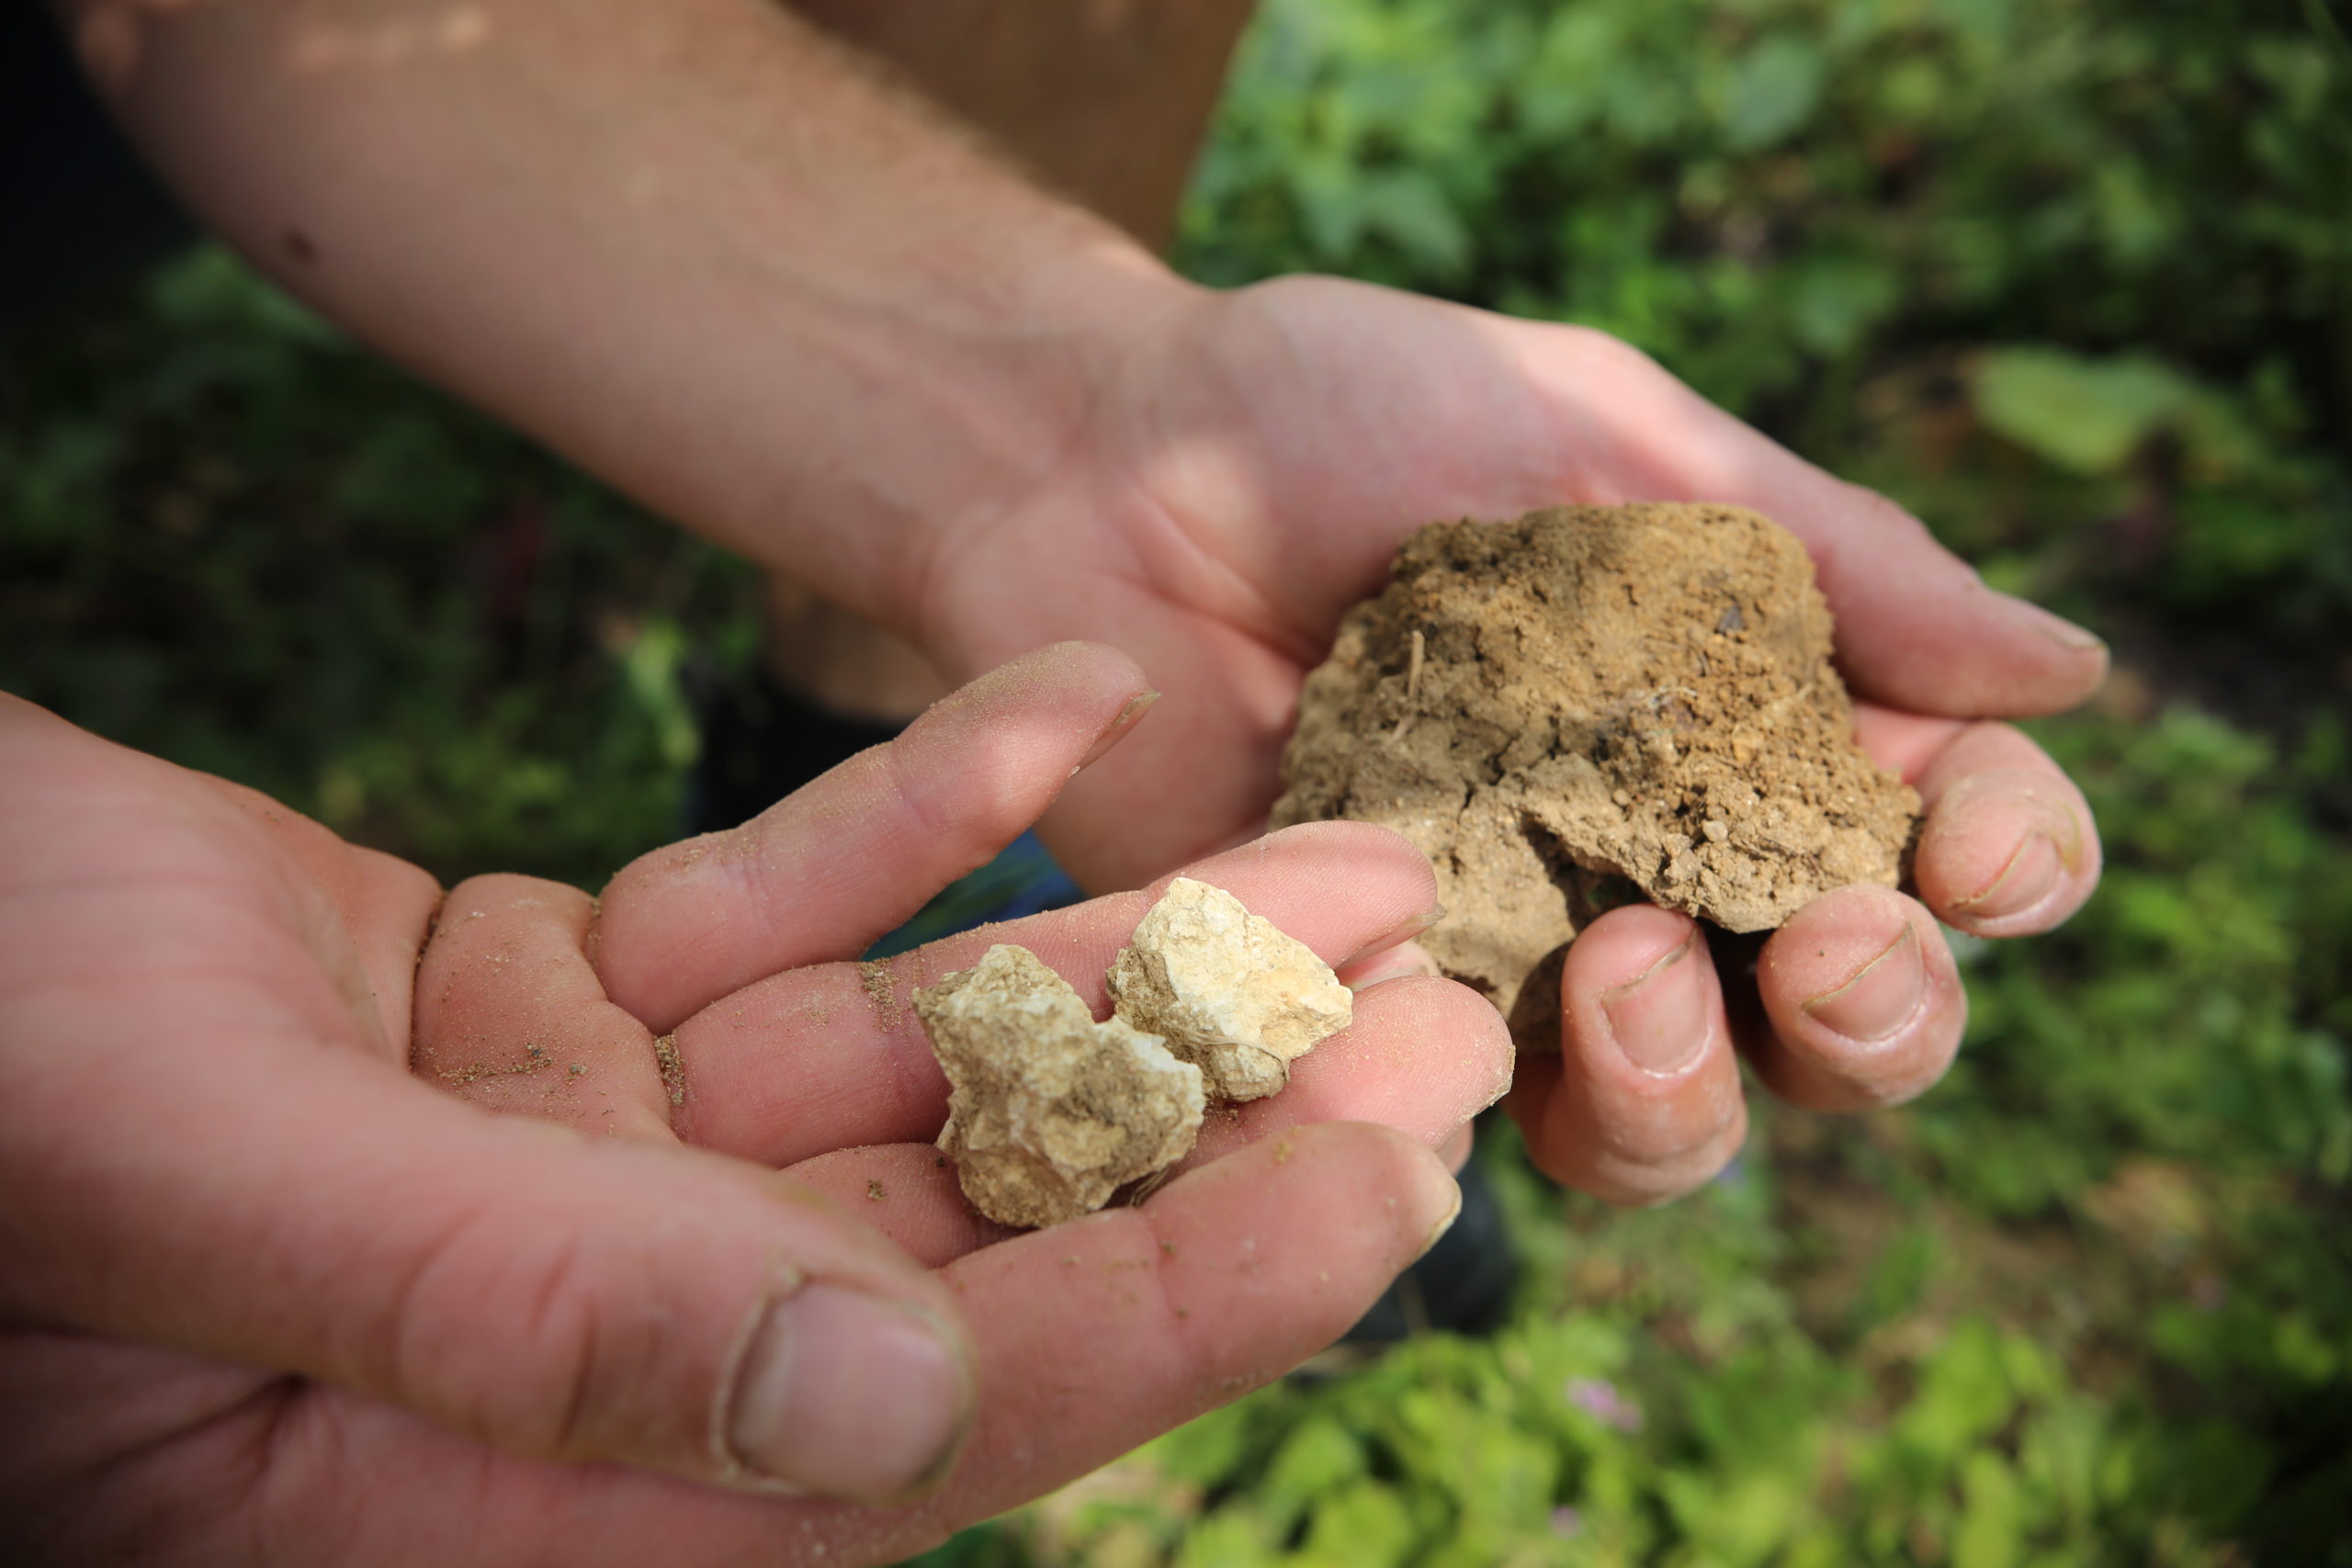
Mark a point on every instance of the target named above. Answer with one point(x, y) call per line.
point(970, 389)
point(694, 246)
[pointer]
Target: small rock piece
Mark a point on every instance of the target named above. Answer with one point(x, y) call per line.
point(1050, 1110)
point(1228, 990)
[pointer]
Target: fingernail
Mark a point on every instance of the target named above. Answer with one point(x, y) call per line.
point(2029, 877)
point(1883, 996)
point(850, 1395)
point(1405, 930)
point(1659, 1019)
point(1399, 962)
point(2059, 629)
point(1129, 716)
point(1444, 1223)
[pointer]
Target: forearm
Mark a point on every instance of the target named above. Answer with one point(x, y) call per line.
point(691, 244)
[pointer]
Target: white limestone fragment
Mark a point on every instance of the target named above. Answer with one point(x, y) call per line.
point(1050, 1110)
point(1227, 989)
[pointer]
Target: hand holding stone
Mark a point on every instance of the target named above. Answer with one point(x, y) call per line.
point(524, 1227)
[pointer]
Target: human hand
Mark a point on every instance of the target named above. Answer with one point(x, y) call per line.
point(272, 1286)
point(1250, 462)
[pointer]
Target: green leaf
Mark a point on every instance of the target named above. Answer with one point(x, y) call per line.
point(1412, 212)
point(2085, 415)
point(1230, 1537)
point(1206, 1449)
point(1363, 1525)
point(1963, 1395)
point(1773, 90)
point(1320, 1455)
point(1992, 1520)
point(1836, 300)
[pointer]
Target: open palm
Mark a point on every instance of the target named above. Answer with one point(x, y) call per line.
point(1243, 473)
point(346, 1223)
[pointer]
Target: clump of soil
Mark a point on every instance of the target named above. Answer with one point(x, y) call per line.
point(1588, 704)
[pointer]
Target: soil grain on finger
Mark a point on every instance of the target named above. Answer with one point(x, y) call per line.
point(1589, 704)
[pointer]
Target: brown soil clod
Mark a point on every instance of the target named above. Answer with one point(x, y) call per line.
point(1587, 704)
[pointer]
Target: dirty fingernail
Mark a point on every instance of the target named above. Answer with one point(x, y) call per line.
point(1405, 959)
point(1659, 1019)
point(2028, 878)
point(850, 1395)
point(1883, 996)
point(1117, 731)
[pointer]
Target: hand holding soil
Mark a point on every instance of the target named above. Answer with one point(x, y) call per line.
point(1253, 460)
point(270, 1279)
point(1049, 1112)
point(1592, 704)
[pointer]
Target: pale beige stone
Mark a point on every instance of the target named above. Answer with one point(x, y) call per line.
point(1051, 1111)
point(1227, 989)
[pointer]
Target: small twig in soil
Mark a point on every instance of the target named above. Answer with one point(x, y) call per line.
point(1412, 685)
point(1772, 711)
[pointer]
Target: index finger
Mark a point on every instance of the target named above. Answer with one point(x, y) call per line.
point(839, 863)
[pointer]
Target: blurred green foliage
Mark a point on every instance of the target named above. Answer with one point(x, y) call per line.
point(233, 538)
point(2073, 280)
point(1756, 189)
point(2119, 232)
point(2212, 964)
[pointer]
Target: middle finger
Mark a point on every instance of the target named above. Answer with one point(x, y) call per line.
point(1643, 1105)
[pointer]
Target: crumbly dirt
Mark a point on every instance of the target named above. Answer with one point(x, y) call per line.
point(1589, 705)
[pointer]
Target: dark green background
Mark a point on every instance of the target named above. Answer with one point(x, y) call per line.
point(2071, 279)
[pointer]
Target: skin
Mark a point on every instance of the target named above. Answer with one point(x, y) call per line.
point(255, 1061)
point(1104, 105)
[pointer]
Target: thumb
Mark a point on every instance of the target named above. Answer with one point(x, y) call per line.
point(207, 1145)
point(553, 1295)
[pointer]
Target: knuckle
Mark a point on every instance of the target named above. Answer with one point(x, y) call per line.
point(1640, 1152)
point(541, 1381)
point(938, 806)
point(1665, 1177)
point(1606, 354)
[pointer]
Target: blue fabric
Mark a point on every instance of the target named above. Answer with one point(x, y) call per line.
point(1022, 880)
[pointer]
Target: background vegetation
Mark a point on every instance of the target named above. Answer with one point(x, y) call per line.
point(2072, 279)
